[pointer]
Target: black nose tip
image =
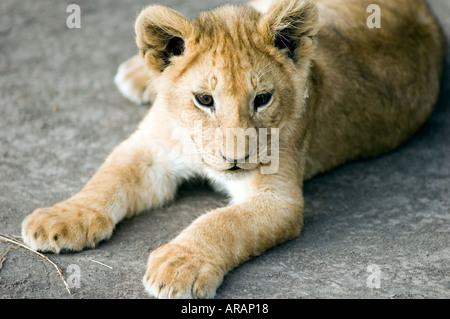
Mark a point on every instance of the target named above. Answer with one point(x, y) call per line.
point(235, 161)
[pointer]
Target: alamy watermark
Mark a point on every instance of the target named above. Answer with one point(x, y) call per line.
point(216, 146)
point(74, 278)
point(74, 19)
point(374, 279)
point(374, 20)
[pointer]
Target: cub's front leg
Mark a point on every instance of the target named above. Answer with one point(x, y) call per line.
point(194, 263)
point(135, 177)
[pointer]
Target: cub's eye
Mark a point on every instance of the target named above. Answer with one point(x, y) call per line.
point(204, 100)
point(262, 100)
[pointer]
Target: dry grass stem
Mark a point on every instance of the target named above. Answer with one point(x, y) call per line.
point(3, 256)
point(21, 244)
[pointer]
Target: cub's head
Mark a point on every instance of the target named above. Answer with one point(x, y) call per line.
point(235, 78)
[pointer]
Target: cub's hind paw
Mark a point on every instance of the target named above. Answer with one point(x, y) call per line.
point(132, 80)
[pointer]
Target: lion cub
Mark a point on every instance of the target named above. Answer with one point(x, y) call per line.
point(255, 99)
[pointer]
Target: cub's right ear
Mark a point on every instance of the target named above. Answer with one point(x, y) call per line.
point(292, 26)
point(161, 34)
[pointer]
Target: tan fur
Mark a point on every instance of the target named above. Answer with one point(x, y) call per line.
point(343, 92)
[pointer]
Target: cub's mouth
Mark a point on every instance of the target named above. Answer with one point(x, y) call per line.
point(234, 168)
point(217, 163)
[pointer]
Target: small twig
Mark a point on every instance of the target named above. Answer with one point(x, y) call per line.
point(3, 256)
point(18, 238)
point(95, 261)
point(16, 242)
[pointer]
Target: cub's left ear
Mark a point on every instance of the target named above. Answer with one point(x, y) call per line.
point(292, 26)
point(161, 34)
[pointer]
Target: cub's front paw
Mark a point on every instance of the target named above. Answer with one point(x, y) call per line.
point(175, 271)
point(65, 227)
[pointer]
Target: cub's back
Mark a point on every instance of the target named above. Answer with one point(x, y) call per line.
point(372, 88)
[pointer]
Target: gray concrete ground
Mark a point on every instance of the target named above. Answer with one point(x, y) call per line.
point(60, 115)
